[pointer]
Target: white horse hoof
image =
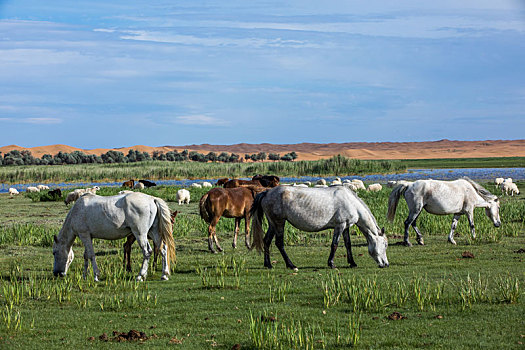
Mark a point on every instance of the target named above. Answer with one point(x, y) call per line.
point(139, 279)
point(452, 241)
point(296, 269)
point(164, 278)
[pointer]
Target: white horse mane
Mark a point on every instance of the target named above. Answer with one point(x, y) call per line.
point(483, 192)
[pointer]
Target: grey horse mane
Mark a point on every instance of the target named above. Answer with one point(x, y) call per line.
point(484, 193)
point(364, 205)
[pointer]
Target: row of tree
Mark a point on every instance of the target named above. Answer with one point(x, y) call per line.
point(25, 157)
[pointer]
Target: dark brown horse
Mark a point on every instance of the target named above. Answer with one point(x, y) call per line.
point(130, 184)
point(267, 180)
point(222, 181)
point(233, 183)
point(131, 239)
point(230, 203)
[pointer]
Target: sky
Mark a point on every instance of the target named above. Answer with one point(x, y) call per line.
point(103, 74)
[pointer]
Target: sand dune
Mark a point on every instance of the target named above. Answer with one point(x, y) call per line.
point(313, 151)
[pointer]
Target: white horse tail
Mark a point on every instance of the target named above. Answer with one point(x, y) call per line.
point(166, 229)
point(203, 210)
point(256, 213)
point(393, 199)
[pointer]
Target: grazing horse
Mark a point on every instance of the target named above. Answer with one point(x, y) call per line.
point(456, 197)
point(147, 183)
point(115, 217)
point(130, 184)
point(131, 239)
point(267, 180)
point(230, 203)
point(313, 210)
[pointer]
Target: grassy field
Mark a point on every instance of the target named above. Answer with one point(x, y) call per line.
point(429, 297)
point(508, 162)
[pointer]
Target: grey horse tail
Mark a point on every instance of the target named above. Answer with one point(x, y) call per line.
point(203, 210)
point(256, 213)
point(393, 199)
point(166, 230)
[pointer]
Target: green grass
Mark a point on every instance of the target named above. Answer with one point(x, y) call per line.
point(217, 301)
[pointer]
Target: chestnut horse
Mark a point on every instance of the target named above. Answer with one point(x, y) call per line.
point(230, 203)
point(131, 239)
point(267, 180)
point(130, 184)
point(222, 181)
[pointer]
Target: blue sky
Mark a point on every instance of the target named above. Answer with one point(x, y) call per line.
point(121, 73)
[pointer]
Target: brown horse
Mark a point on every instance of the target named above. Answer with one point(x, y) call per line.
point(131, 239)
point(130, 184)
point(267, 180)
point(233, 183)
point(230, 203)
point(222, 181)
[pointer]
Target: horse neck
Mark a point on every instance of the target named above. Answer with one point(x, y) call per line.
point(366, 221)
point(66, 235)
point(480, 201)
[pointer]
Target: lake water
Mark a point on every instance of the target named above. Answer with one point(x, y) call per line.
point(478, 174)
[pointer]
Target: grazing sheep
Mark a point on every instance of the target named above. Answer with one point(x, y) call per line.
point(207, 184)
point(508, 179)
point(196, 185)
point(307, 183)
point(42, 187)
point(359, 184)
point(32, 189)
point(511, 187)
point(12, 191)
point(76, 194)
point(300, 185)
point(336, 182)
point(375, 187)
point(183, 196)
point(139, 186)
point(498, 181)
point(320, 186)
point(321, 182)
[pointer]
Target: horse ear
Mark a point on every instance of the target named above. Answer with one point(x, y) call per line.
point(55, 238)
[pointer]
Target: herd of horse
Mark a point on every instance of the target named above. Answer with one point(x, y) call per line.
point(137, 216)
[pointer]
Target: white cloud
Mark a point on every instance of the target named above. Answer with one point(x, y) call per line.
point(200, 120)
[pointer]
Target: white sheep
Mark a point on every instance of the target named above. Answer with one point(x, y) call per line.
point(359, 184)
point(76, 194)
point(498, 181)
point(32, 189)
point(300, 185)
point(12, 191)
point(321, 182)
point(511, 187)
point(183, 196)
point(336, 182)
point(375, 187)
point(350, 185)
point(139, 186)
point(207, 184)
point(508, 179)
point(42, 187)
point(196, 185)
point(320, 186)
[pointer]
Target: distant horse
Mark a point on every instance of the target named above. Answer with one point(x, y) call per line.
point(147, 183)
point(230, 203)
point(113, 218)
point(456, 197)
point(313, 210)
point(221, 182)
point(131, 239)
point(267, 180)
point(130, 184)
point(233, 183)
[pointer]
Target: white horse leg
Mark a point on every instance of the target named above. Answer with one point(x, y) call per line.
point(279, 242)
point(470, 217)
point(454, 224)
point(335, 241)
point(412, 217)
point(146, 252)
point(89, 254)
point(419, 237)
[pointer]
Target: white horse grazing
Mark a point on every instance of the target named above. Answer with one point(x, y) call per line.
point(113, 218)
point(313, 210)
point(456, 197)
point(12, 191)
point(183, 196)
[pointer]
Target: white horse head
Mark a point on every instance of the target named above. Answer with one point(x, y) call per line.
point(377, 246)
point(63, 257)
point(492, 211)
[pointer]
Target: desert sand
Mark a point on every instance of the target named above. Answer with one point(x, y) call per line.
point(313, 151)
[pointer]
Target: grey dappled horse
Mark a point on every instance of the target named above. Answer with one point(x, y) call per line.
point(312, 210)
point(113, 218)
point(456, 197)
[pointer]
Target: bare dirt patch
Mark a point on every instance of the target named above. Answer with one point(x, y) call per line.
point(467, 255)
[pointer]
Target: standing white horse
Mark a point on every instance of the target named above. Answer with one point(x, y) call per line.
point(113, 218)
point(313, 210)
point(441, 198)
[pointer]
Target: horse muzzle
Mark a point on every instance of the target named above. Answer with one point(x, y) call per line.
point(497, 224)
